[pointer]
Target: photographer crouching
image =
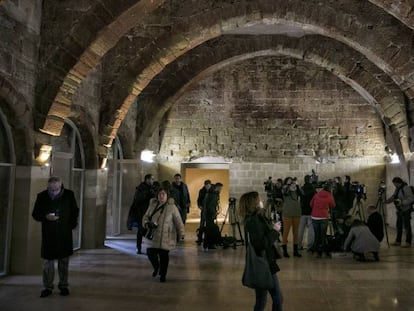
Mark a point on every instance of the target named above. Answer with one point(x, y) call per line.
point(403, 198)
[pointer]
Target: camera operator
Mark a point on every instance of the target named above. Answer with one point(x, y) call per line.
point(403, 198)
point(211, 208)
point(278, 196)
point(164, 224)
point(349, 194)
point(200, 203)
point(144, 192)
point(274, 200)
point(292, 212)
point(309, 191)
point(339, 212)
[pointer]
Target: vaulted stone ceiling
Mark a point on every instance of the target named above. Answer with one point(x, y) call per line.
point(148, 50)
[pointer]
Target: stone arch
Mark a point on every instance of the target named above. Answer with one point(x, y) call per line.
point(79, 55)
point(404, 11)
point(366, 79)
point(360, 25)
point(17, 111)
point(173, 48)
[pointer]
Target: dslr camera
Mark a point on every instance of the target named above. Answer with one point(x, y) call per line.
point(151, 226)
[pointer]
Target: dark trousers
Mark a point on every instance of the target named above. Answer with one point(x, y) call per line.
point(209, 233)
point(319, 227)
point(404, 221)
point(139, 235)
point(159, 259)
point(201, 228)
point(49, 273)
point(275, 293)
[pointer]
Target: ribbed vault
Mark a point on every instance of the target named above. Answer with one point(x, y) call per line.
point(376, 31)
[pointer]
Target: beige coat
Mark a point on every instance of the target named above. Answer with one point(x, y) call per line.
point(170, 226)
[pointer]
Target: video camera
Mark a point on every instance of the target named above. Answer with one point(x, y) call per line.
point(359, 190)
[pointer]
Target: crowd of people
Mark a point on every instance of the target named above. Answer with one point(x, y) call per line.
point(159, 212)
point(327, 213)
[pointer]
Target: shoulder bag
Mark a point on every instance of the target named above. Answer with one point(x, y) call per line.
point(256, 271)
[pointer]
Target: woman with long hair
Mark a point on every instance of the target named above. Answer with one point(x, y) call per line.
point(262, 234)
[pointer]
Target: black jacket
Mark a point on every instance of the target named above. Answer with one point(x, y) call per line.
point(262, 236)
point(56, 235)
point(308, 193)
point(143, 194)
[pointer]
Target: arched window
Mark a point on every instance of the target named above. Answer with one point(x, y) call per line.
point(68, 162)
point(114, 219)
point(7, 175)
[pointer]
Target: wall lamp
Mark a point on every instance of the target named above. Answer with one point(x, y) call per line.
point(391, 156)
point(43, 155)
point(147, 156)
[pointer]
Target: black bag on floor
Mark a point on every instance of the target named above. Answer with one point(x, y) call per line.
point(212, 235)
point(334, 243)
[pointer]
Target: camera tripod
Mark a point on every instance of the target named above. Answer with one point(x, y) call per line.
point(380, 208)
point(358, 209)
point(233, 220)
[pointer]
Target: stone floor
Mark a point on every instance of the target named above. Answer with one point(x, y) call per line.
point(114, 278)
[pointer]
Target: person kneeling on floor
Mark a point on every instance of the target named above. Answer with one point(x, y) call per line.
point(360, 240)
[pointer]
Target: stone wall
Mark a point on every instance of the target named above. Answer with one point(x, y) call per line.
point(269, 110)
point(279, 117)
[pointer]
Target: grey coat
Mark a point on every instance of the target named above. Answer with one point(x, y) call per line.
point(361, 240)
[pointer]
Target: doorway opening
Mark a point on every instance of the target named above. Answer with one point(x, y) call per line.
point(194, 176)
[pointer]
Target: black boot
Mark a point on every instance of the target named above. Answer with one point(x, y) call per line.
point(295, 251)
point(285, 253)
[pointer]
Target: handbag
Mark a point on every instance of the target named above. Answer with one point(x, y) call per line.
point(256, 270)
point(278, 250)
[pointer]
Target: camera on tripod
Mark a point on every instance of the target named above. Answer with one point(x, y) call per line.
point(359, 190)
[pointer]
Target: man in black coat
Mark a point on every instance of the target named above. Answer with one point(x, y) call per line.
point(200, 203)
point(212, 235)
point(144, 192)
point(181, 195)
point(58, 212)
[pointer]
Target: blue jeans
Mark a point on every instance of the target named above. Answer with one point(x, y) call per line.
point(404, 221)
point(306, 222)
point(319, 227)
point(275, 293)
